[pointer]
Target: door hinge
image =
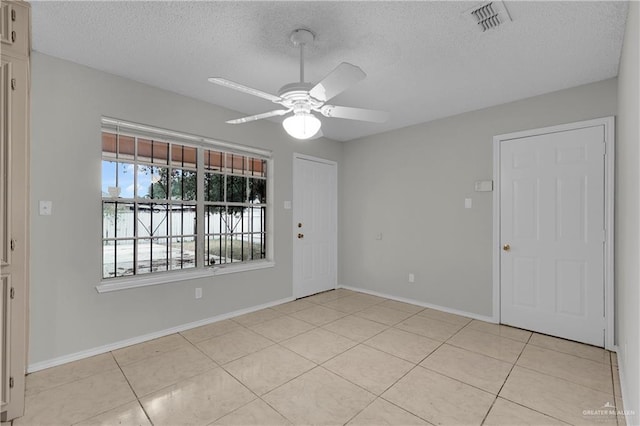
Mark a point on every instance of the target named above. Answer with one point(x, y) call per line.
point(13, 15)
point(10, 382)
point(13, 84)
point(12, 293)
point(13, 244)
point(13, 36)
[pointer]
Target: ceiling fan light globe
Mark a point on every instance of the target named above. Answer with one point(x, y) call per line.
point(302, 125)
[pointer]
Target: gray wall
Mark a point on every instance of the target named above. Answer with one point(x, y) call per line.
point(628, 214)
point(410, 185)
point(67, 314)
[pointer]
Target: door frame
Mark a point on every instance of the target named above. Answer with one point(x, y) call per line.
point(609, 161)
point(334, 164)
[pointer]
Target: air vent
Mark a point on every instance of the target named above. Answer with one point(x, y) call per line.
point(489, 15)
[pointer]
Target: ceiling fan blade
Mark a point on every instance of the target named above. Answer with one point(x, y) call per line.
point(354, 113)
point(337, 81)
point(259, 116)
point(242, 88)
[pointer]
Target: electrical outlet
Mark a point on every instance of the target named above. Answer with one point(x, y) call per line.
point(198, 293)
point(45, 208)
point(412, 278)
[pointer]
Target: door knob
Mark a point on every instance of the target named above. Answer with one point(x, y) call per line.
point(300, 235)
point(506, 247)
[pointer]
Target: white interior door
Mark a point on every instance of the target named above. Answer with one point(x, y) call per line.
point(552, 233)
point(314, 225)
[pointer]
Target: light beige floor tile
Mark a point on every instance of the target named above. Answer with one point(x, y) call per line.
point(383, 315)
point(318, 315)
point(614, 358)
point(350, 304)
point(325, 296)
point(78, 400)
point(506, 413)
point(500, 330)
point(355, 328)
point(405, 345)
point(233, 345)
point(197, 401)
point(444, 316)
point(573, 348)
point(56, 376)
point(488, 344)
point(592, 374)
point(208, 331)
point(282, 328)
point(370, 368)
point(291, 307)
point(555, 397)
point(319, 397)
point(269, 368)
point(257, 317)
point(130, 414)
point(428, 327)
point(401, 306)
point(152, 374)
point(343, 292)
point(318, 345)
point(135, 353)
point(381, 412)
point(368, 298)
point(472, 368)
point(439, 399)
point(255, 413)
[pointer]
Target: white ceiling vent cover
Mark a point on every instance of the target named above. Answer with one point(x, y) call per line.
point(489, 15)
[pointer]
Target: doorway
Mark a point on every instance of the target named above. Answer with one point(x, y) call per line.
point(553, 231)
point(315, 225)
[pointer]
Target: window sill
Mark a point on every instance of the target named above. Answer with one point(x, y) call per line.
point(169, 277)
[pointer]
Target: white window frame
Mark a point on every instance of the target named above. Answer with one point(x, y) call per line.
point(154, 278)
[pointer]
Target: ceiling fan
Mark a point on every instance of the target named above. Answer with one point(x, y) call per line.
point(305, 98)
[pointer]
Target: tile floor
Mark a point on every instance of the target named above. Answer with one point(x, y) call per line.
point(335, 358)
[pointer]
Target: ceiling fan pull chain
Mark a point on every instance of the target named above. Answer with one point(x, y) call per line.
point(302, 62)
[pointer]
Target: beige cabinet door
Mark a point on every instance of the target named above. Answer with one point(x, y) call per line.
point(14, 204)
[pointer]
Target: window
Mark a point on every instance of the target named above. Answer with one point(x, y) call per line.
point(177, 202)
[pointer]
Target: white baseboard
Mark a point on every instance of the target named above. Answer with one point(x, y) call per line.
point(37, 366)
point(419, 303)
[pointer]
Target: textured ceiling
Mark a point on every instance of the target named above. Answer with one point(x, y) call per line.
point(424, 60)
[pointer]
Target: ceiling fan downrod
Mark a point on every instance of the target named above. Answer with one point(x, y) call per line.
point(300, 38)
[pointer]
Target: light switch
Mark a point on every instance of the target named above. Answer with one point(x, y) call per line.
point(467, 203)
point(483, 185)
point(45, 208)
point(287, 205)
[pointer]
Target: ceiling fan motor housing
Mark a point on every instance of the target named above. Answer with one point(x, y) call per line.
point(296, 96)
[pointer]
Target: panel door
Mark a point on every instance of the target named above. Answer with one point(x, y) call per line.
point(315, 227)
point(14, 205)
point(552, 234)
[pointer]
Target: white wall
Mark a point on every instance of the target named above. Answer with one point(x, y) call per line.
point(628, 214)
point(67, 314)
point(417, 178)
